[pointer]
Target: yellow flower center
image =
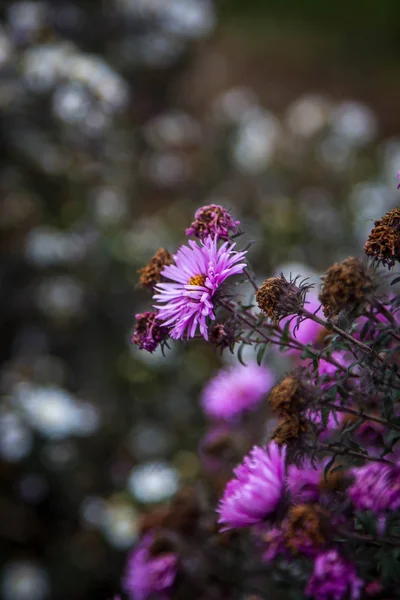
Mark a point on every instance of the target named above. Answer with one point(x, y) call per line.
point(197, 280)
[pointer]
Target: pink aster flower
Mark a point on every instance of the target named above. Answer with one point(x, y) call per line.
point(333, 578)
point(198, 272)
point(257, 490)
point(147, 575)
point(303, 482)
point(235, 390)
point(376, 487)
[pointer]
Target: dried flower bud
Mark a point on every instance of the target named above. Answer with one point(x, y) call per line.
point(383, 243)
point(149, 332)
point(222, 335)
point(278, 297)
point(347, 286)
point(212, 220)
point(151, 273)
point(306, 528)
point(287, 397)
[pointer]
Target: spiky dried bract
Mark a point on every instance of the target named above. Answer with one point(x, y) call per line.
point(214, 221)
point(383, 244)
point(151, 273)
point(279, 298)
point(346, 286)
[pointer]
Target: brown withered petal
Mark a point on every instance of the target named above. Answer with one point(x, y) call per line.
point(278, 297)
point(346, 286)
point(151, 273)
point(383, 243)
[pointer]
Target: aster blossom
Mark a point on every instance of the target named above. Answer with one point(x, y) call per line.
point(333, 578)
point(214, 221)
point(303, 482)
point(198, 272)
point(257, 490)
point(235, 390)
point(376, 487)
point(148, 575)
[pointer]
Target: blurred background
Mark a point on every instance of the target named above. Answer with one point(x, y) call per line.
point(117, 120)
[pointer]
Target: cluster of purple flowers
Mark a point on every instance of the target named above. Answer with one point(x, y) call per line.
point(299, 494)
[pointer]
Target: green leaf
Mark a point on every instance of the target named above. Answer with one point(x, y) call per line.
point(240, 353)
point(260, 353)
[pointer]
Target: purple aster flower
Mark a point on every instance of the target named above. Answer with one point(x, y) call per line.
point(376, 487)
point(236, 389)
point(146, 574)
point(214, 221)
point(303, 482)
point(257, 489)
point(398, 177)
point(307, 330)
point(333, 578)
point(148, 331)
point(197, 274)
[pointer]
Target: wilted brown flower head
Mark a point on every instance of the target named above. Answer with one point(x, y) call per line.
point(306, 527)
point(213, 220)
point(383, 243)
point(287, 397)
point(151, 273)
point(346, 286)
point(289, 429)
point(278, 297)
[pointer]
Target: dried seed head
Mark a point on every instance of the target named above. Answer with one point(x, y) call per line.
point(306, 528)
point(278, 297)
point(151, 273)
point(347, 286)
point(289, 429)
point(287, 397)
point(383, 243)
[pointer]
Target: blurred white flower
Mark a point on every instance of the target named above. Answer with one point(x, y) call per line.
point(153, 482)
point(54, 412)
point(355, 122)
point(308, 115)
point(60, 296)
point(233, 105)
point(16, 440)
point(120, 524)
point(23, 580)
point(175, 128)
point(188, 18)
point(47, 246)
point(256, 141)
